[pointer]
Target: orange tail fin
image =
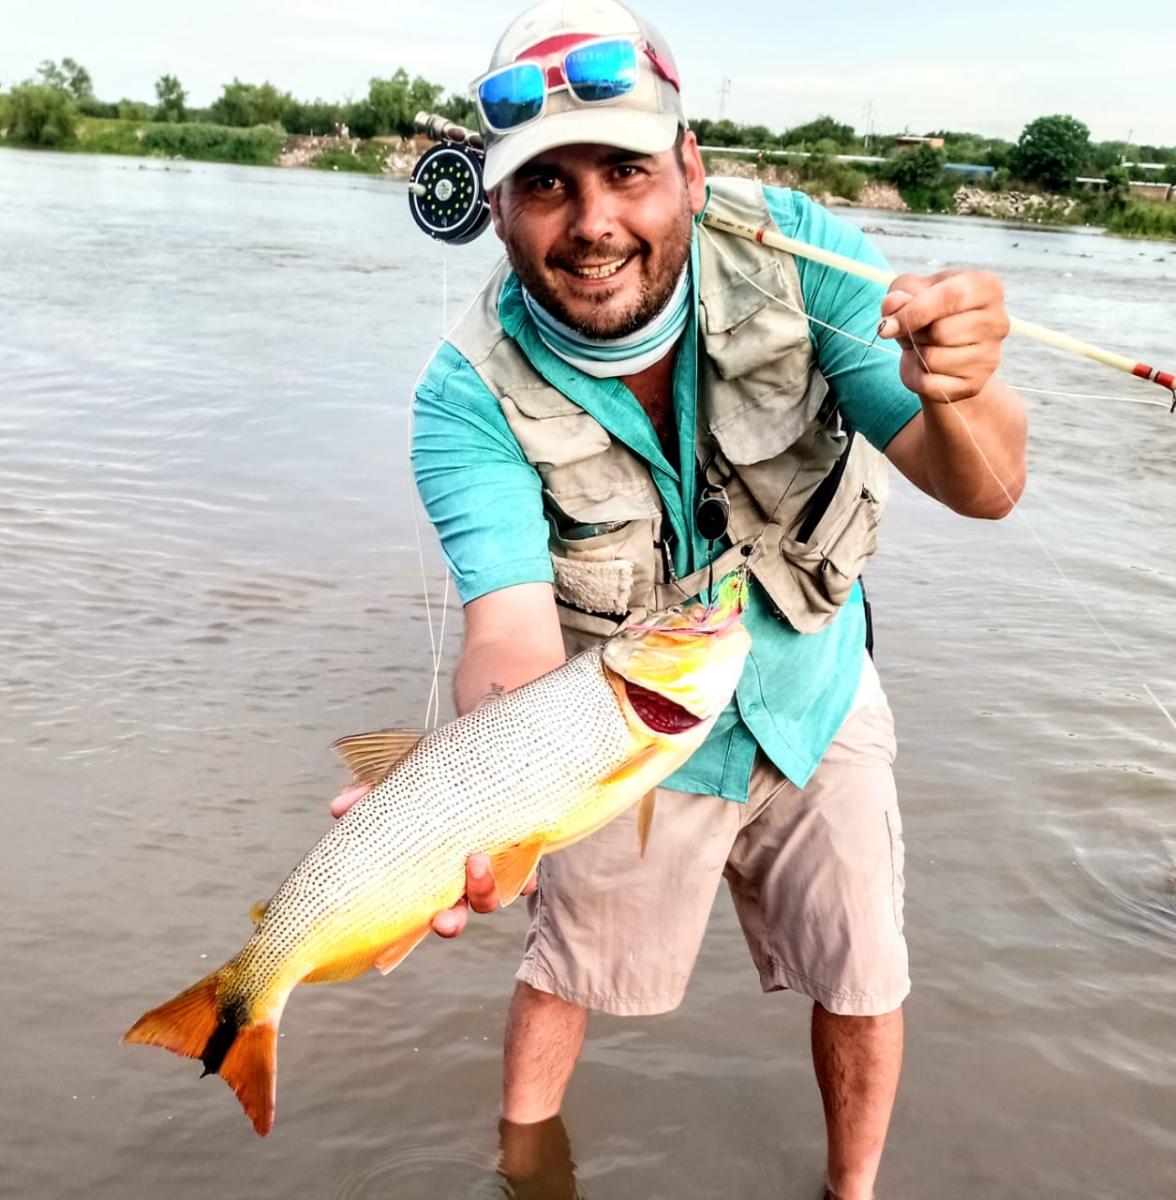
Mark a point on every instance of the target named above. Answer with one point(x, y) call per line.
point(243, 1053)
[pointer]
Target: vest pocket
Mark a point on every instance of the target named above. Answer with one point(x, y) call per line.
point(835, 556)
point(594, 479)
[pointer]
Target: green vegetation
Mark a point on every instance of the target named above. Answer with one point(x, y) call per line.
point(40, 115)
point(368, 157)
point(109, 135)
point(1052, 152)
point(170, 97)
point(918, 175)
point(249, 122)
point(259, 146)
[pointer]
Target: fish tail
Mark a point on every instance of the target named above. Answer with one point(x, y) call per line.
point(209, 1022)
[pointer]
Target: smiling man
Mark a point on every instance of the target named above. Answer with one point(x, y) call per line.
point(631, 398)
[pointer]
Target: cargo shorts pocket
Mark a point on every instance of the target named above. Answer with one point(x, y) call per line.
point(897, 862)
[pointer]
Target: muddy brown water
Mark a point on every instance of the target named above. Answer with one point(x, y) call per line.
point(208, 571)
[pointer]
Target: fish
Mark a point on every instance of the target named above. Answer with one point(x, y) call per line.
point(523, 776)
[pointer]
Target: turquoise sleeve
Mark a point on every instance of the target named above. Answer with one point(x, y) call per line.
point(864, 382)
point(480, 493)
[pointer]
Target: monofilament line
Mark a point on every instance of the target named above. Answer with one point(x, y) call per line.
point(436, 634)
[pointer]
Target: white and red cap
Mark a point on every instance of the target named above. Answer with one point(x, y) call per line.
point(646, 120)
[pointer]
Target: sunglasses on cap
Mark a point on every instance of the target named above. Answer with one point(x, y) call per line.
point(593, 72)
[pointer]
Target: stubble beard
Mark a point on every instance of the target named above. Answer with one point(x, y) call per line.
point(604, 321)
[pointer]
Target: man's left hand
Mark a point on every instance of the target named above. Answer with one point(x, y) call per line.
point(951, 327)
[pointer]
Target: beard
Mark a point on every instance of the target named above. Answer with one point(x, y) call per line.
point(660, 272)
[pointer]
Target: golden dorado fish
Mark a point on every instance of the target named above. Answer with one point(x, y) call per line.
point(534, 771)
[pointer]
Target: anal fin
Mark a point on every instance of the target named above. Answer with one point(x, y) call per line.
point(350, 966)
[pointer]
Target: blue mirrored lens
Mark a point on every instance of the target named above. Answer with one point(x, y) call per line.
point(512, 97)
point(602, 71)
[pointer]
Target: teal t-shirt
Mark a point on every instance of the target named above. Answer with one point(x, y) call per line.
point(485, 500)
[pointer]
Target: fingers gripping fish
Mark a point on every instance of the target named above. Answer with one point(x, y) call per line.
point(539, 769)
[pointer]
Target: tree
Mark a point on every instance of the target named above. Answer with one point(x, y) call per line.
point(41, 115)
point(1051, 151)
point(921, 167)
point(247, 104)
point(70, 77)
point(394, 102)
point(78, 82)
point(171, 97)
point(815, 131)
point(312, 116)
point(1117, 193)
point(459, 109)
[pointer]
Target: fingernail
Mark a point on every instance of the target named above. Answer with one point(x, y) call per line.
point(477, 868)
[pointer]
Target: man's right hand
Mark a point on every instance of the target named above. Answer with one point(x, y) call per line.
point(481, 891)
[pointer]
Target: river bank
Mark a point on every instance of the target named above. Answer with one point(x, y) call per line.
point(827, 181)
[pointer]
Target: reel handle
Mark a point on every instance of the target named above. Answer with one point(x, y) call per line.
point(440, 129)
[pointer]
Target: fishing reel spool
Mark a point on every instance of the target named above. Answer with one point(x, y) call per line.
point(446, 195)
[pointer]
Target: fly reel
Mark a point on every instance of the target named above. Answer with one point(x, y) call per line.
point(445, 193)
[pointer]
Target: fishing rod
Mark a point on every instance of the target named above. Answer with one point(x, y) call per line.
point(448, 200)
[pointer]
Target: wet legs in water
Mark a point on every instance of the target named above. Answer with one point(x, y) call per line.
point(857, 1061)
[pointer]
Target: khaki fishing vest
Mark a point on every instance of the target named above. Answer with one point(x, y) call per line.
point(768, 434)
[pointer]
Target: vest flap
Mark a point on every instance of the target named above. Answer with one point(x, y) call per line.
point(726, 305)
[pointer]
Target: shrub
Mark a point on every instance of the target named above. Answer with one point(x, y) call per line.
point(133, 110)
point(369, 159)
point(102, 136)
point(259, 146)
point(40, 115)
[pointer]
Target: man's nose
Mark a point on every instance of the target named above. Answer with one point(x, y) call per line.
point(592, 217)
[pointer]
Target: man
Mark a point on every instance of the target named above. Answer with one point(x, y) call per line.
point(627, 364)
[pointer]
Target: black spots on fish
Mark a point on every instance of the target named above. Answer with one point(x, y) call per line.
point(231, 1018)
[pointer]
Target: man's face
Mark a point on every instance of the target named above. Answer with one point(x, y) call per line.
point(599, 235)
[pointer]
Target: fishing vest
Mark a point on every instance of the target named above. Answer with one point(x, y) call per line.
point(805, 493)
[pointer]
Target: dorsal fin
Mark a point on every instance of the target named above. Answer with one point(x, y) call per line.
point(372, 755)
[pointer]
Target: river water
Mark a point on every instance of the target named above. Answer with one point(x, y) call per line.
point(208, 571)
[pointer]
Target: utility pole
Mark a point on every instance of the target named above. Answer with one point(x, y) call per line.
point(724, 92)
point(869, 138)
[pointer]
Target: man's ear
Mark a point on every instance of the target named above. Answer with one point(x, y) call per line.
point(695, 172)
point(495, 198)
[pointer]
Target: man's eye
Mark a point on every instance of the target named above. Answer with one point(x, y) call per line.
point(545, 183)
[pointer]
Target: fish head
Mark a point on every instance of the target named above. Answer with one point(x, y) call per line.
point(677, 670)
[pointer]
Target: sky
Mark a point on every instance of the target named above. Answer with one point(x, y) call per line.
point(987, 67)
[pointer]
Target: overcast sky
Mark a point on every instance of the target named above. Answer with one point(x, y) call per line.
point(989, 67)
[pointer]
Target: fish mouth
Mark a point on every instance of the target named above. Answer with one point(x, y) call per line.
point(658, 713)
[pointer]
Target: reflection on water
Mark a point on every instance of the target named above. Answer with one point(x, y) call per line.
point(208, 571)
point(536, 1161)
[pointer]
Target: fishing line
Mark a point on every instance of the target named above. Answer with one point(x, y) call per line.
point(436, 633)
point(988, 466)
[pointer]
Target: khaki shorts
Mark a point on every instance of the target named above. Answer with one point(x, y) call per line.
point(815, 873)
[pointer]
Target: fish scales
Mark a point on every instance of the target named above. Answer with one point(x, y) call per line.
point(488, 780)
point(535, 771)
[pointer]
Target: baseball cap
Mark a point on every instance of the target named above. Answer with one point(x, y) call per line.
point(645, 120)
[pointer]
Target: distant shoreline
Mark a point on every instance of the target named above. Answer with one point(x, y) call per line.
point(394, 158)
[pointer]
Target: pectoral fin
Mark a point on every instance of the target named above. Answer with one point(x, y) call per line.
point(645, 817)
point(513, 867)
point(631, 766)
point(372, 755)
point(257, 912)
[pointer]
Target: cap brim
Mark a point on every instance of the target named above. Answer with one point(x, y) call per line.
point(642, 132)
